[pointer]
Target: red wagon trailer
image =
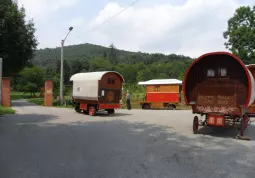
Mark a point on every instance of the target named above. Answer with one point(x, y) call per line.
point(219, 86)
point(93, 91)
point(161, 93)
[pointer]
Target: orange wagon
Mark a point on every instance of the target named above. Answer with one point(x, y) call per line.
point(162, 93)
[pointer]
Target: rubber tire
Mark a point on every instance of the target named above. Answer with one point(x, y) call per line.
point(85, 112)
point(146, 106)
point(171, 107)
point(92, 111)
point(195, 124)
point(77, 108)
point(111, 111)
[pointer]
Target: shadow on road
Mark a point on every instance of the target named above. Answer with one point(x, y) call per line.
point(22, 103)
point(31, 146)
point(226, 132)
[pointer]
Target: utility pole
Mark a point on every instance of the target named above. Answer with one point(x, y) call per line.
point(61, 73)
point(61, 67)
point(1, 71)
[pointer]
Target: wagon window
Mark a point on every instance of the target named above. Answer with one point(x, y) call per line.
point(156, 88)
point(111, 81)
point(222, 72)
point(210, 72)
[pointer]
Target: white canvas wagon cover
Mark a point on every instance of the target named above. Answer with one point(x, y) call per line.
point(161, 82)
point(85, 85)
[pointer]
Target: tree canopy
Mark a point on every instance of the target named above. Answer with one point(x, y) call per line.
point(240, 34)
point(17, 40)
point(31, 80)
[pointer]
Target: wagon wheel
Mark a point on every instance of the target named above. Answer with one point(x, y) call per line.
point(85, 112)
point(77, 108)
point(146, 106)
point(170, 107)
point(195, 125)
point(92, 111)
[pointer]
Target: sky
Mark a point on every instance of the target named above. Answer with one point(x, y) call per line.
point(186, 27)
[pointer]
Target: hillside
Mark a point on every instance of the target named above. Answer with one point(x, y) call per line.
point(45, 57)
point(134, 66)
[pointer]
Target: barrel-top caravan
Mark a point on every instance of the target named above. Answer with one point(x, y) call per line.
point(219, 86)
point(95, 91)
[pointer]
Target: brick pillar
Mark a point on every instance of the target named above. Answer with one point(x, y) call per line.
point(48, 93)
point(6, 92)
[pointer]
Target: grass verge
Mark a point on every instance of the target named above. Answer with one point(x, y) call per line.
point(6, 110)
point(20, 95)
point(38, 101)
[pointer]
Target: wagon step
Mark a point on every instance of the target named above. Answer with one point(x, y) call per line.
point(239, 137)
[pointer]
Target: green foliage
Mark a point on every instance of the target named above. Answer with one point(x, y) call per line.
point(112, 57)
point(100, 64)
point(31, 80)
point(133, 66)
point(38, 101)
point(6, 110)
point(20, 95)
point(240, 34)
point(17, 41)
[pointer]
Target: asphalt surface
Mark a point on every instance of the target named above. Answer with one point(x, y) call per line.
point(40, 142)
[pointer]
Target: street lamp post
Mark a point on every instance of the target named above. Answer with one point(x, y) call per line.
point(61, 67)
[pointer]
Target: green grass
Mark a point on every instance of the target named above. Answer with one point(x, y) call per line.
point(21, 95)
point(38, 101)
point(6, 110)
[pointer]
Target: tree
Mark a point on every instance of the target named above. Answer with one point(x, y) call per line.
point(99, 64)
point(76, 66)
point(31, 80)
point(17, 40)
point(113, 55)
point(240, 34)
point(66, 70)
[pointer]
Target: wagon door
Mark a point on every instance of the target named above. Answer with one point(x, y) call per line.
point(109, 96)
point(218, 93)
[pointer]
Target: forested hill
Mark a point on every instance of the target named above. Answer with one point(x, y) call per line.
point(134, 66)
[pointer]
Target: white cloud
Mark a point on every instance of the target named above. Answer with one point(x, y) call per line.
point(41, 9)
point(76, 22)
point(192, 28)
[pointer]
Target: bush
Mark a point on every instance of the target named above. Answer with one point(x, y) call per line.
point(6, 110)
point(38, 101)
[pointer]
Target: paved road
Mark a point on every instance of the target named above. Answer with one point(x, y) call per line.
point(41, 142)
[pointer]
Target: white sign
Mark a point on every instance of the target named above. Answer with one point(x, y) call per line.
point(102, 93)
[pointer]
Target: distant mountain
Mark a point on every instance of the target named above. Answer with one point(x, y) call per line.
point(47, 57)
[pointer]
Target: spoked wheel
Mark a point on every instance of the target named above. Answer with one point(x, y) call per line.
point(195, 125)
point(146, 106)
point(92, 111)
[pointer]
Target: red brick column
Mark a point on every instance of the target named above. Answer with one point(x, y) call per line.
point(48, 93)
point(6, 92)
